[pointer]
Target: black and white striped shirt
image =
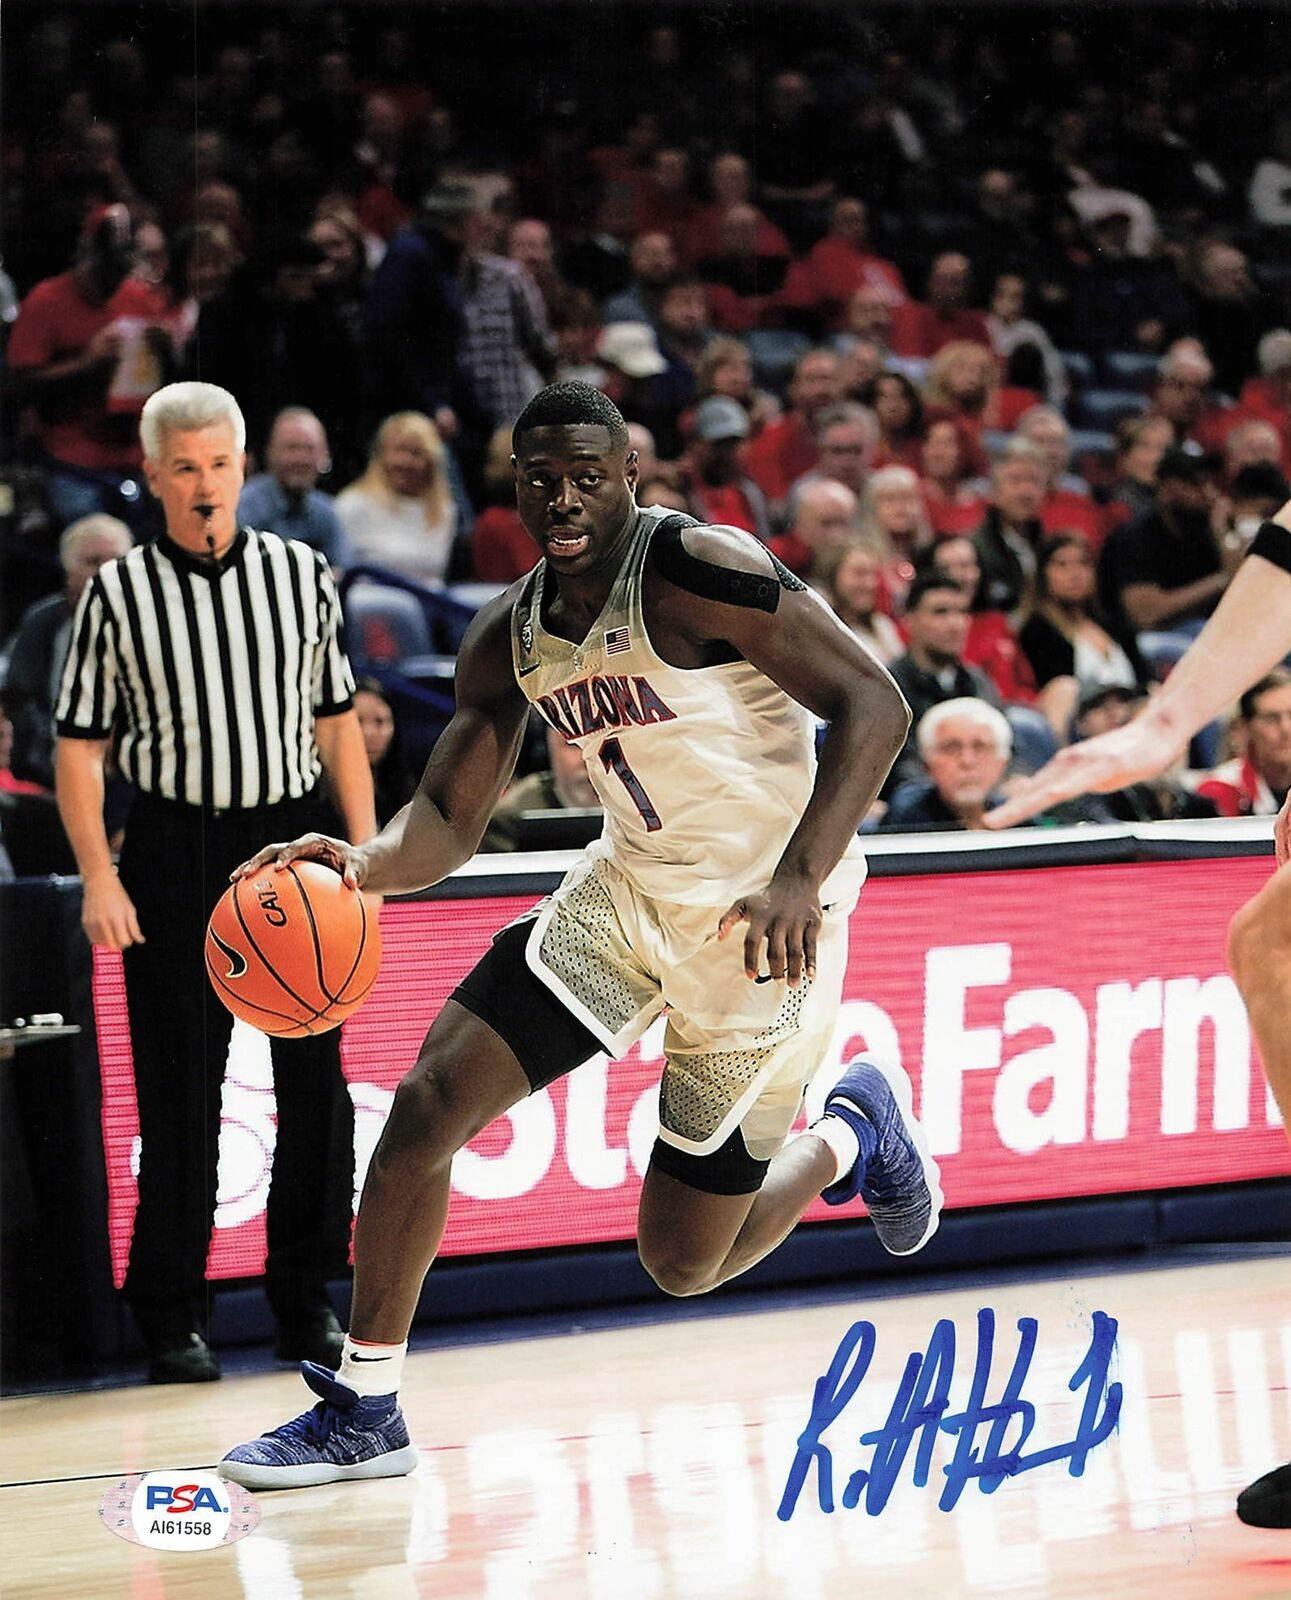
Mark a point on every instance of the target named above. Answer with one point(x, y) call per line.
point(213, 672)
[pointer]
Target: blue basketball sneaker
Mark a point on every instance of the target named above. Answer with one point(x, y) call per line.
point(346, 1435)
point(899, 1181)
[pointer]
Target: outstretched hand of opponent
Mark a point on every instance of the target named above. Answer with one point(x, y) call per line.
point(786, 918)
point(343, 858)
point(1096, 766)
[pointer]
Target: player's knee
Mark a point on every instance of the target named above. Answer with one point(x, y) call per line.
point(430, 1109)
point(676, 1275)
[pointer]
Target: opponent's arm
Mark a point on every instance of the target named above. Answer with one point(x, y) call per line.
point(441, 826)
point(720, 584)
point(1248, 634)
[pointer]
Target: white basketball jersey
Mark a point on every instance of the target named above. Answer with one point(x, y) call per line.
point(703, 772)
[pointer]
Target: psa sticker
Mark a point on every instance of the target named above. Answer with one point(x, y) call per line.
point(178, 1510)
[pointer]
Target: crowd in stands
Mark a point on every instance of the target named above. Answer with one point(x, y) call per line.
point(985, 330)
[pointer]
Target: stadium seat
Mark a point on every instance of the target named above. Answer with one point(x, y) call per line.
point(773, 352)
point(404, 619)
point(384, 624)
point(1103, 409)
point(1129, 369)
point(1080, 369)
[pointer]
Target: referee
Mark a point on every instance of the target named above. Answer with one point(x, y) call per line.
point(213, 656)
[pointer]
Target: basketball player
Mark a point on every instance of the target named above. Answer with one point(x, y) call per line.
point(687, 665)
point(1249, 633)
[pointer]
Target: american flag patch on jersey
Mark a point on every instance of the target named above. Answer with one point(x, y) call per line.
point(617, 640)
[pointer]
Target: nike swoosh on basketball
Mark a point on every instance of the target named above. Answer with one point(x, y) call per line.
point(237, 961)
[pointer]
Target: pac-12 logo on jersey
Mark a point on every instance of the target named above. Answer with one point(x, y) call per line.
point(611, 700)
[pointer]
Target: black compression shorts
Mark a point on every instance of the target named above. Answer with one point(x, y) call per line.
point(549, 1041)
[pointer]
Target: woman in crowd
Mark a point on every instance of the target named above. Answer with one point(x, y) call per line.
point(1010, 328)
point(992, 644)
point(962, 383)
point(896, 405)
point(1071, 649)
point(725, 368)
point(850, 576)
point(400, 514)
point(893, 519)
point(392, 782)
point(950, 463)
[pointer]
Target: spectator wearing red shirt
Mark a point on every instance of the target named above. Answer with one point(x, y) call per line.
point(824, 514)
point(1068, 505)
point(841, 263)
point(744, 285)
point(786, 448)
point(1182, 395)
point(1269, 394)
point(992, 642)
point(730, 180)
point(923, 328)
point(1255, 784)
point(847, 439)
point(82, 353)
point(963, 383)
point(950, 462)
point(720, 492)
point(665, 203)
point(501, 550)
point(898, 410)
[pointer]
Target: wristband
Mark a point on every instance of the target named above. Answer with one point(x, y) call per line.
point(1273, 542)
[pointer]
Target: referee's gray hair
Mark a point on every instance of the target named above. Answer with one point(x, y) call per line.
point(966, 708)
point(184, 407)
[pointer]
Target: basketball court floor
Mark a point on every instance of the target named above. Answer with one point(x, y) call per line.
point(646, 1461)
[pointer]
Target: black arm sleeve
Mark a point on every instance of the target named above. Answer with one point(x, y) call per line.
point(1274, 544)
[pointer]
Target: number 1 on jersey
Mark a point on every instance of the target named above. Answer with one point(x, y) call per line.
point(613, 759)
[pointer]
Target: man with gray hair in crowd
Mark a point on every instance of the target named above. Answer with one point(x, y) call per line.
point(212, 659)
point(38, 648)
point(285, 499)
point(847, 438)
point(965, 746)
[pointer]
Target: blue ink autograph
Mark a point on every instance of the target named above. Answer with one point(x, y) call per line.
point(919, 1406)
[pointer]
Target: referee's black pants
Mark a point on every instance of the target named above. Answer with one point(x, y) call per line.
point(175, 865)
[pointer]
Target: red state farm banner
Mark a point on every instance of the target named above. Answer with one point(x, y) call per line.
point(1070, 1031)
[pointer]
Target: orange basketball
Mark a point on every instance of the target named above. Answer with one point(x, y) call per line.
point(292, 952)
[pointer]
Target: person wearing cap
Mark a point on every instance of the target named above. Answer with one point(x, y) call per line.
point(73, 336)
point(647, 387)
point(1163, 798)
point(1163, 573)
point(720, 490)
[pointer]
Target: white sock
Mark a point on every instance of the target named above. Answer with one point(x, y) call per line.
point(842, 1141)
point(372, 1368)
